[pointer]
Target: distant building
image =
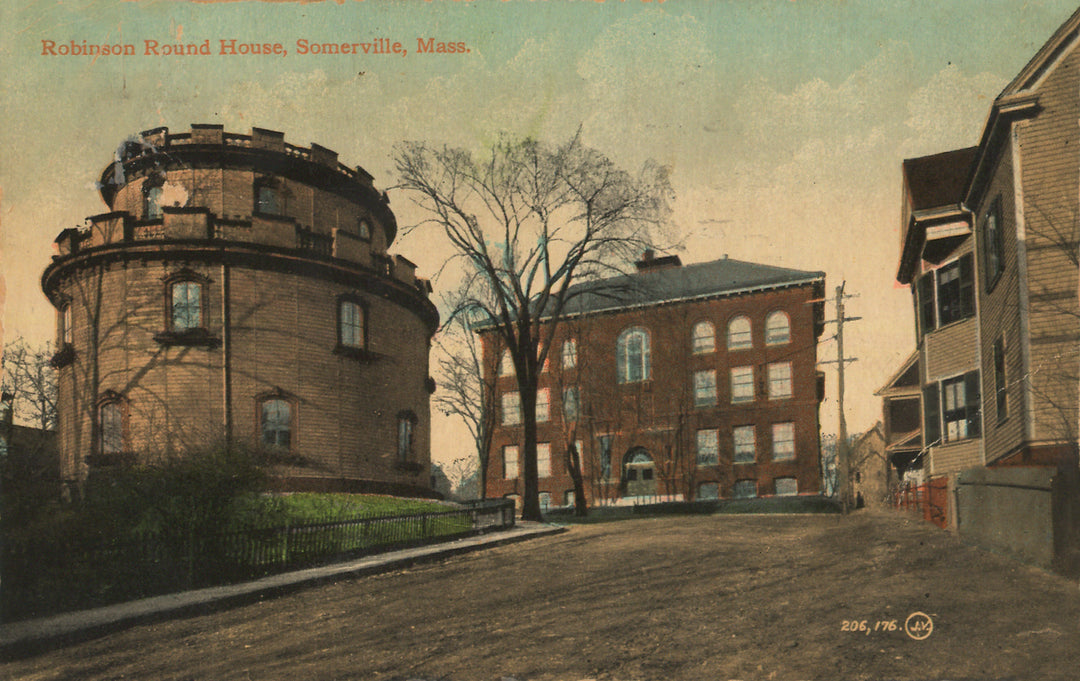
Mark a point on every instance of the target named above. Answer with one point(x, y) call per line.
point(871, 476)
point(674, 382)
point(239, 289)
point(902, 421)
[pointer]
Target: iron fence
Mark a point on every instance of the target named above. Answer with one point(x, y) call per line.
point(43, 577)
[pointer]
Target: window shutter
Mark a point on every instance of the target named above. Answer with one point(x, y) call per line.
point(972, 397)
point(932, 419)
point(927, 305)
point(967, 286)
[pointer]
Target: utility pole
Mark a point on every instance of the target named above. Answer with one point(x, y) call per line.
point(843, 455)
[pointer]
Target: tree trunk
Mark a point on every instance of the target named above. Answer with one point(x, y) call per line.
point(573, 464)
point(531, 497)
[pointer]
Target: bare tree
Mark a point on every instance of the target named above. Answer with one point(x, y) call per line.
point(31, 380)
point(464, 389)
point(529, 220)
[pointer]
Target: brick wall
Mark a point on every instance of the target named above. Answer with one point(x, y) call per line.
point(659, 415)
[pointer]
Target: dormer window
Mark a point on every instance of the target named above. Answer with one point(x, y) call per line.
point(363, 229)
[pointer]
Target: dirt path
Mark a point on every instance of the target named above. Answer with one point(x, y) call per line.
point(717, 597)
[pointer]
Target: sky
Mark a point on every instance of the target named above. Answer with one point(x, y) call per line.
point(784, 122)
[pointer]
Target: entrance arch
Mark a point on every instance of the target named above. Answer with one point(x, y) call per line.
point(639, 471)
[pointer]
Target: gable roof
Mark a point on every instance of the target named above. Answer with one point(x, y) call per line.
point(718, 278)
point(1019, 99)
point(1045, 59)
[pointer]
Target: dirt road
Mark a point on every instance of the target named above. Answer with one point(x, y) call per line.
point(714, 597)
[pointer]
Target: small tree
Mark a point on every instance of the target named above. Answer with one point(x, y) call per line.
point(464, 390)
point(528, 221)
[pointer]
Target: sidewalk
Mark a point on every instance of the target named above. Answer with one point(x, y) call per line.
point(29, 637)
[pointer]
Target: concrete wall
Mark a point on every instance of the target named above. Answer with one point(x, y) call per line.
point(1008, 510)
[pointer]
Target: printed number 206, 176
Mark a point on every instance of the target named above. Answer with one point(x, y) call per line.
point(866, 627)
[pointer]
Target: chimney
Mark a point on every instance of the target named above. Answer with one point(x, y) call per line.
point(649, 261)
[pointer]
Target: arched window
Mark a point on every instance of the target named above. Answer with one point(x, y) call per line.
point(777, 328)
point(704, 339)
point(506, 364)
point(276, 422)
point(185, 298)
point(111, 425)
point(363, 229)
point(569, 354)
point(64, 322)
point(406, 425)
point(351, 324)
point(738, 334)
point(632, 356)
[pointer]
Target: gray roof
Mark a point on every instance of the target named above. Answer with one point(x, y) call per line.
point(658, 285)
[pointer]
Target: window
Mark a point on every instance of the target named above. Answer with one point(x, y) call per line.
point(742, 384)
point(543, 402)
point(704, 340)
point(707, 491)
point(605, 456)
point(960, 407)
point(777, 328)
point(745, 444)
point(543, 459)
point(406, 426)
point(993, 244)
point(186, 305)
point(783, 441)
point(786, 487)
point(276, 423)
point(955, 291)
point(744, 489)
point(111, 426)
point(1001, 385)
point(351, 324)
point(571, 403)
point(708, 447)
point(545, 501)
point(511, 408)
point(738, 334)
point(363, 229)
point(632, 356)
point(506, 364)
point(568, 497)
point(64, 322)
point(152, 197)
point(510, 462)
point(704, 388)
point(267, 198)
point(779, 380)
point(569, 354)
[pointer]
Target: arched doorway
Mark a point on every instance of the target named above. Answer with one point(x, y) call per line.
point(639, 471)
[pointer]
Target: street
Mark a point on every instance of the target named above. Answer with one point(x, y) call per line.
point(875, 595)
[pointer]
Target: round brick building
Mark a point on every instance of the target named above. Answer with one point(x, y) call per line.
point(239, 289)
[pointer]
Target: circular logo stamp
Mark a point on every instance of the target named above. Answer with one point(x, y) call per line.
point(919, 626)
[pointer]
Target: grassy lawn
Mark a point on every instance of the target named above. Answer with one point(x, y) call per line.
point(306, 507)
